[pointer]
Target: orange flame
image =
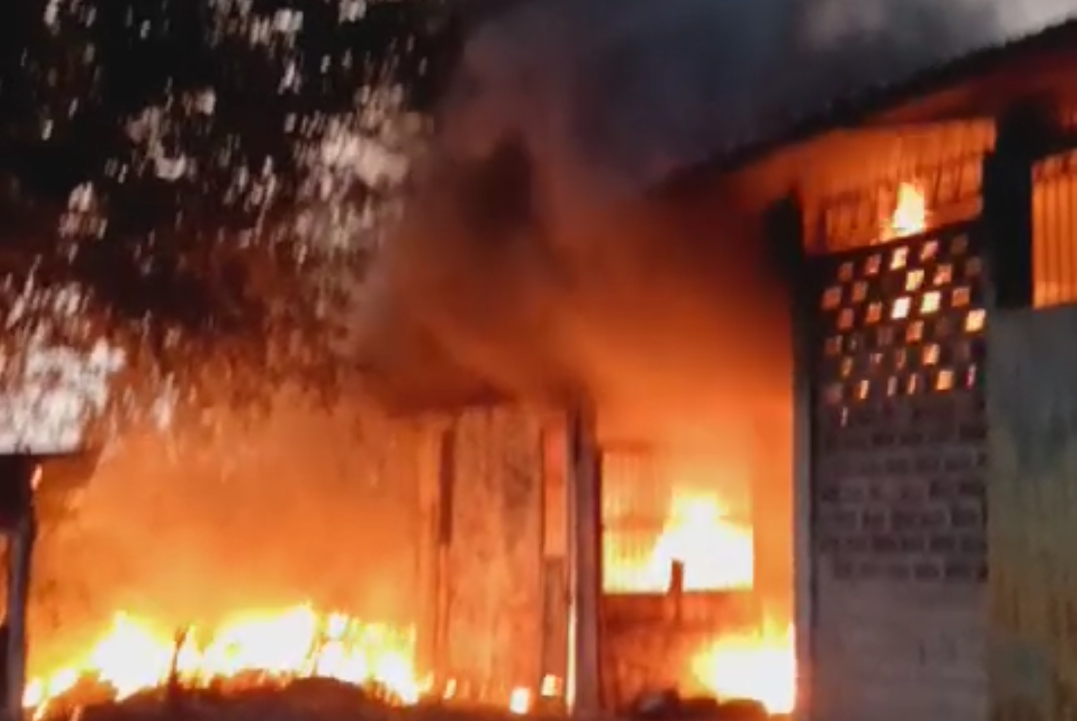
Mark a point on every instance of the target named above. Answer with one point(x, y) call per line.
point(910, 214)
point(760, 666)
point(134, 655)
point(717, 553)
point(715, 550)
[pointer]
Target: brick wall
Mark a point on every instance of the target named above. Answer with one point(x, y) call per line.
point(1033, 524)
point(900, 616)
point(898, 479)
point(892, 650)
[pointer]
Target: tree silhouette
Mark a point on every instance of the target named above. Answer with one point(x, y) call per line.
point(207, 177)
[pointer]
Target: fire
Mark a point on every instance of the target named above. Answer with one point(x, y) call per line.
point(910, 215)
point(715, 551)
point(135, 654)
point(759, 666)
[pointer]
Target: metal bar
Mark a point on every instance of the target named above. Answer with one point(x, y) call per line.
point(676, 591)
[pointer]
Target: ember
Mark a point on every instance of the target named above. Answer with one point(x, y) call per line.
point(520, 701)
point(262, 647)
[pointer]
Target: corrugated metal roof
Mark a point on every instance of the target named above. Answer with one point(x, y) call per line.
point(856, 108)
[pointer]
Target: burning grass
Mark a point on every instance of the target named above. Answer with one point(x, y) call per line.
point(252, 650)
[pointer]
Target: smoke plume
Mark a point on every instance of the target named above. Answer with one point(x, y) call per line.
point(532, 255)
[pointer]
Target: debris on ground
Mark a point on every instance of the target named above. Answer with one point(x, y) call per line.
point(669, 705)
point(311, 699)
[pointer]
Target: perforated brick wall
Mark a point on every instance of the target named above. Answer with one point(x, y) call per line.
point(898, 482)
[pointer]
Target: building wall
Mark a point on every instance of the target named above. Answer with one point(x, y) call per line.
point(892, 609)
point(898, 477)
point(1033, 524)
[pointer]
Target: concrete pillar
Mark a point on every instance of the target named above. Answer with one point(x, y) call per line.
point(785, 228)
point(443, 538)
point(555, 556)
point(429, 549)
point(1023, 135)
point(584, 688)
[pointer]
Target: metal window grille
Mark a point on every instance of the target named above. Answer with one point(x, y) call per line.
point(952, 194)
point(634, 504)
point(1054, 230)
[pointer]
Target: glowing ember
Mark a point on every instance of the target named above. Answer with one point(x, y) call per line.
point(520, 701)
point(759, 666)
point(135, 654)
point(910, 212)
point(551, 686)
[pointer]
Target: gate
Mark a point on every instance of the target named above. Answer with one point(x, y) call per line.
point(898, 480)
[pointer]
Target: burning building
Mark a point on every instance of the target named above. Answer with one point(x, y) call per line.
point(839, 556)
point(821, 542)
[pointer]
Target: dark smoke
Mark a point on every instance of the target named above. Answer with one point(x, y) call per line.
point(531, 256)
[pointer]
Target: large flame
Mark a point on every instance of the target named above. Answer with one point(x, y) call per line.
point(716, 552)
point(135, 654)
point(760, 665)
point(910, 214)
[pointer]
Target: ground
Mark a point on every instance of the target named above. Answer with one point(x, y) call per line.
point(322, 700)
point(308, 700)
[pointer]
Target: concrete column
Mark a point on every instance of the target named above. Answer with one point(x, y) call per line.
point(785, 228)
point(1023, 135)
point(443, 538)
point(554, 559)
point(584, 688)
